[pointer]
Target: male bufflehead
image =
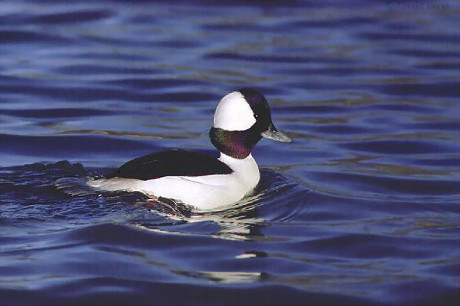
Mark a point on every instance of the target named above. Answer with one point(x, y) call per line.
point(241, 119)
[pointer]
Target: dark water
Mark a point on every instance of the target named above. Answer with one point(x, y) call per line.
point(362, 208)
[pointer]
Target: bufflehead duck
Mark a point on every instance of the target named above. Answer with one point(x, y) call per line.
point(241, 119)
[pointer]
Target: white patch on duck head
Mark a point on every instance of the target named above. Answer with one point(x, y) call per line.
point(234, 113)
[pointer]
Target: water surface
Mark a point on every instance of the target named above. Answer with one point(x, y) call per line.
point(361, 209)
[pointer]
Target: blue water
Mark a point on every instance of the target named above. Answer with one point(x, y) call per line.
point(361, 209)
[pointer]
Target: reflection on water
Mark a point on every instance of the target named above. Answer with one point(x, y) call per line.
point(229, 277)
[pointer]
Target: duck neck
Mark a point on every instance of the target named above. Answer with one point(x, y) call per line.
point(237, 144)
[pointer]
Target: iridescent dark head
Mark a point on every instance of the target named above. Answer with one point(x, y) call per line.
point(241, 119)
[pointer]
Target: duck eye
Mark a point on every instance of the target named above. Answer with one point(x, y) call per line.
point(256, 116)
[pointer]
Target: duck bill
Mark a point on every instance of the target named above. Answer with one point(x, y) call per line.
point(273, 134)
